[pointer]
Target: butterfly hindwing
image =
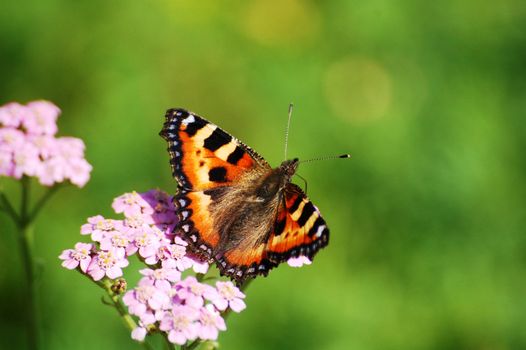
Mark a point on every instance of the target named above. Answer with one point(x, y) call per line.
point(202, 155)
point(296, 230)
point(299, 229)
point(196, 222)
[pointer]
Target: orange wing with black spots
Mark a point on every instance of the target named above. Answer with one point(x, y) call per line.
point(196, 222)
point(299, 230)
point(203, 156)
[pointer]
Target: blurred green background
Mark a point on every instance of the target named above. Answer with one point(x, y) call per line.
point(427, 219)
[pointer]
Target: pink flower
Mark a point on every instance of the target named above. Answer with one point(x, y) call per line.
point(42, 119)
point(11, 138)
point(70, 147)
point(78, 171)
point(199, 266)
point(180, 324)
point(184, 309)
point(210, 323)
point(65, 161)
point(229, 296)
point(162, 277)
point(47, 145)
point(6, 162)
point(194, 292)
point(172, 255)
point(26, 160)
point(139, 334)
point(12, 114)
point(147, 241)
point(162, 208)
point(117, 240)
point(99, 227)
point(131, 204)
point(146, 298)
point(107, 263)
point(299, 261)
point(51, 171)
point(80, 256)
point(29, 148)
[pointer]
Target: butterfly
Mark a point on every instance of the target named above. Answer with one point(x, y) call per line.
point(234, 209)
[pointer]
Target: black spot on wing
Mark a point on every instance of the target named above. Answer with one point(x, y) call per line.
point(217, 139)
point(319, 222)
point(235, 156)
point(193, 127)
point(306, 213)
point(296, 204)
point(217, 174)
point(279, 227)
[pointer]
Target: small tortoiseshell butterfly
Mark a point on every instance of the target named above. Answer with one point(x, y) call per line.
point(233, 208)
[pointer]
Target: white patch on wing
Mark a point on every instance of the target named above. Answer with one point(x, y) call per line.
point(188, 120)
point(320, 230)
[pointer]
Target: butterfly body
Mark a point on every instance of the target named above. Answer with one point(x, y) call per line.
point(234, 209)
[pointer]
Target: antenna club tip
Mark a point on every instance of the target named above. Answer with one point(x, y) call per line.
point(345, 156)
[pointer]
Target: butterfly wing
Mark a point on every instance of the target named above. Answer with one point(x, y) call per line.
point(202, 155)
point(298, 230)
point(206, 160)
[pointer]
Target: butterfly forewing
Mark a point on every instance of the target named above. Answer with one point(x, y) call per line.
point(202, 155)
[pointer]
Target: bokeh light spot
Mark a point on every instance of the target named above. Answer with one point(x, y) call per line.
point(281, 22)
point(358, 89)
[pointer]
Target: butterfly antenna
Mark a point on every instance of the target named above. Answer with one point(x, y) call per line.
point(291, 106)
point(325, 158)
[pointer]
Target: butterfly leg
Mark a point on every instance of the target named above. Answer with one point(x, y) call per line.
point(304, 181)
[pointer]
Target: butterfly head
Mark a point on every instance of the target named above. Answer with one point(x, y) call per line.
point(289, 167)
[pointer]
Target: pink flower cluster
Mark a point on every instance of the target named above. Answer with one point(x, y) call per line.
point(185, 309)
point(28, 146)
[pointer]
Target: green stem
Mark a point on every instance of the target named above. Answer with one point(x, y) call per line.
point(192, 345)
point(6, 205)
point(167, 344)
point(242, 288)
point(116, 302)
point(42, 201)
point(25, 236)
point(26, 243)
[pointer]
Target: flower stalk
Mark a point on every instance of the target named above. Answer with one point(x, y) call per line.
point(29, 148)
point(25, 236)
